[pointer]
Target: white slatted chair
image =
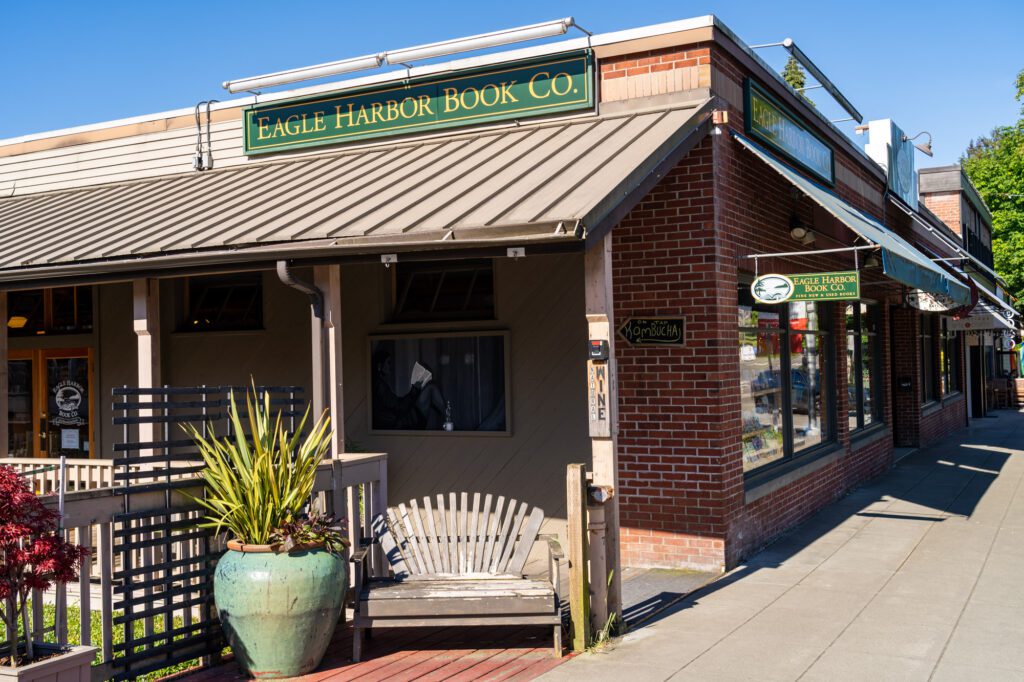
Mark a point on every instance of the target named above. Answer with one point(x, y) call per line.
point(457, 566)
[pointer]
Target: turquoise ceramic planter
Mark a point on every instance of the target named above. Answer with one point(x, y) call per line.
point(279, 610)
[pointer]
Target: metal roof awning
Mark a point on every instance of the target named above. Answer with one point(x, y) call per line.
point(550, 182)
point(900, 261)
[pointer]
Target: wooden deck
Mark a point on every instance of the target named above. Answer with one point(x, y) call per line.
point(434, 654)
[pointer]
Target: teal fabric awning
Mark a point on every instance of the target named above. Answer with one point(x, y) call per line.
point(900, 261)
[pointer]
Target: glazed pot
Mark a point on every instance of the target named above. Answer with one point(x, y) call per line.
point(279, 609)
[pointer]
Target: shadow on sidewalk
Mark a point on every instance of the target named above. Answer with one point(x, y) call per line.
point(948, 478)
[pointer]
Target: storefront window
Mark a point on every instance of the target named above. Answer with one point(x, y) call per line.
point(863, 372)
point(222, 303)
point(61, 310)
point(784, 396)
point(929, 359)
point(950, 361)
point(444, 291)
point(439, 382)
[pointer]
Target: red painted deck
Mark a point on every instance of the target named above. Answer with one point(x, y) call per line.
point(434, 654)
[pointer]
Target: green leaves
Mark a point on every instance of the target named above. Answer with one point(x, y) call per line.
point(261, 477)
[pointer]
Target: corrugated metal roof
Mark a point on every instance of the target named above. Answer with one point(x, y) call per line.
point(499, 183)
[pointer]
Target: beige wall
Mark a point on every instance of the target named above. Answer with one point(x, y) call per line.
point(540, 302)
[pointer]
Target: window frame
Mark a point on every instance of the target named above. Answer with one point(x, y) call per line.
point(399, 292)
point(931, 390)
point(952, 359)
point(829, 418)
point(184, 300)
point(47, 327)
point(861, 327)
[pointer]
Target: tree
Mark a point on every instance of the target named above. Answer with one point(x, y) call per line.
point(995, 164)
point(33, 556)
point(793, 73)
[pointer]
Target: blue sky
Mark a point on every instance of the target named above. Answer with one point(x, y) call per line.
point(946, 67)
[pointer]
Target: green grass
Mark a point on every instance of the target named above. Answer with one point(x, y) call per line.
point(74, 627)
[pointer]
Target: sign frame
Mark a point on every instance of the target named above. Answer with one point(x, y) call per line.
point(751, 88)
point(681, 340)
point(795, 293)
point(581, 60)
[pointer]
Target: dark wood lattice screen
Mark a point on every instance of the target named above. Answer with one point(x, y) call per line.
point(164, 564)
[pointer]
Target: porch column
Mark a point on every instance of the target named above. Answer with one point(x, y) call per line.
point(328, 280)
point(603, 431)
point(146, 309)
point(4, 433)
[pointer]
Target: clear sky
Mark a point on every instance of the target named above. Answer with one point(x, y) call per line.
point(946, 67)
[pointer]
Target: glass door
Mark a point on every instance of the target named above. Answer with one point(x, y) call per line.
point(67, 420)
point(50, 403)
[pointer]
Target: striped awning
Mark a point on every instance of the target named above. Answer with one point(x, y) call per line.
point(555, 180)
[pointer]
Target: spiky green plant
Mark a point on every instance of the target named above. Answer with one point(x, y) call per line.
point(258, 483)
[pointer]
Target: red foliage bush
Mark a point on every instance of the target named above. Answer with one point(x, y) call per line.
point(32, 554)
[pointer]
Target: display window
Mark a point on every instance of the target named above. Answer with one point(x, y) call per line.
point(786, 367)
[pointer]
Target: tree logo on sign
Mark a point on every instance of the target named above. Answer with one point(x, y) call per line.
point(772, 288)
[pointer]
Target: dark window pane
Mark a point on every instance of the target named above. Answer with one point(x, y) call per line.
point(439, 383)
point(224, 303)
point(25, 313)
point(444, 291)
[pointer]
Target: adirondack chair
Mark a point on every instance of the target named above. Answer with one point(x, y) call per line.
point(458, 565)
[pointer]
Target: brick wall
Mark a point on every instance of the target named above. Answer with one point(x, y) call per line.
point(655, 73)
point(946, 206)
point(681, 251)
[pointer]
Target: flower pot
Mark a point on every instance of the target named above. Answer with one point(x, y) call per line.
point(279, 609)
point(75, 665)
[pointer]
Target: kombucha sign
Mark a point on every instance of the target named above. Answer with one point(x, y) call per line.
point(513, 90)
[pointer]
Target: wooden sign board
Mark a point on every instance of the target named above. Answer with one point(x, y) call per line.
point(653, 331)
point(599, 399)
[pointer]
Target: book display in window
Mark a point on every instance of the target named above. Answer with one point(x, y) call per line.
point(761, 387)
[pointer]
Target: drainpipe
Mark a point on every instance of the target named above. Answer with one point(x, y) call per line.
point(316, 305)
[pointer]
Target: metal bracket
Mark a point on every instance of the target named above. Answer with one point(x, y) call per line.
point(516, 251)
point(388, 258)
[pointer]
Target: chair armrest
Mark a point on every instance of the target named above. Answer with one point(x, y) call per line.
point(554, 548)
point(360, 555)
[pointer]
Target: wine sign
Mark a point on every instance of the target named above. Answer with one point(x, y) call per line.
point(653, 331)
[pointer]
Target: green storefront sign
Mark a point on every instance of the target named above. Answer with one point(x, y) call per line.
point(509, 91)
point(772, 123)
point(813, 286)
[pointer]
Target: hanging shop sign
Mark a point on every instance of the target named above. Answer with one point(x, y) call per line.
point(813, 286)
point(513, 90)
point(776, 126)
point(930, 302)
point(653, 331)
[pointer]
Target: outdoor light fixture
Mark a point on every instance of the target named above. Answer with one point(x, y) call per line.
point(403, 56)
point(546, 29)
point(872, 261)
point(370, 61)
point(800, 232)
point(924, 147)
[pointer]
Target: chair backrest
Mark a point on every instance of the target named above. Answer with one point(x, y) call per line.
point(460, 539)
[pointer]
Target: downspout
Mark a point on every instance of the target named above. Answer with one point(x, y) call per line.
point(316, 305)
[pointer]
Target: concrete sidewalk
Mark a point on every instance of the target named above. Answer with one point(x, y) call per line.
point(918, 575)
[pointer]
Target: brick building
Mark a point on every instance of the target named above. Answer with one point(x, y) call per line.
point(659, 172)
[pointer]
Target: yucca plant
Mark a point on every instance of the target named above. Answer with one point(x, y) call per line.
point(258, 484)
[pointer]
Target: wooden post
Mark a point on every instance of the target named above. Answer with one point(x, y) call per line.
point(603, 431)
point(328, 280)
point(579, 583)
point(4, 425)
point(146, 308)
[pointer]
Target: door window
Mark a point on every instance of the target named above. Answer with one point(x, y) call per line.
point(67, 414)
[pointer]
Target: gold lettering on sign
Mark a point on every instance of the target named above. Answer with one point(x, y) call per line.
point(261, 131)
point(533, 91)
